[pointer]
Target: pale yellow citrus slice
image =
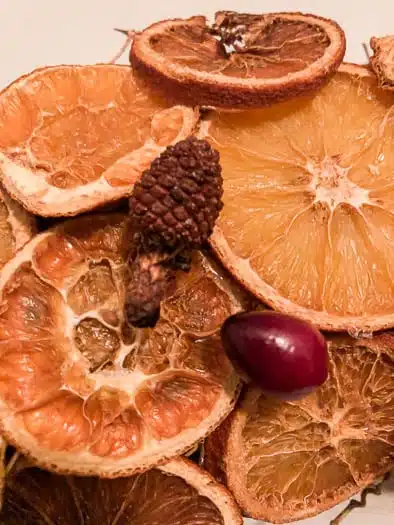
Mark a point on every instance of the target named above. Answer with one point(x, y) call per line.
point(79, 391)
point(177, 493)
point(308, 218)
point(17, 227)
point(75, 137)
point(243, 60)
point(285, 461)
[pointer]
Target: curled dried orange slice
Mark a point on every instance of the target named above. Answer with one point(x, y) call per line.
point(81, 392)
point(307, 223)
point(178, 492)
point(243, 60)
point(287, 461)
point(382, 61)
point(76, 137)
point(17, 227)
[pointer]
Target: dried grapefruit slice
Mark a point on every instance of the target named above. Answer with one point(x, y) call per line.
point(307, 223)
point(17, 227)
point(243, 60)
point(80, 392)
point(76, 137)
point(287, 461)
point(382, 61)
point(179, 492)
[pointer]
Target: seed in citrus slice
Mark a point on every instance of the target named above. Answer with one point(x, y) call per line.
point(287, 461)
point(178, 492)
point(307, 223)
point(77, 137)
point(80, 391)
point(382, 61)
point(17, 227)
point(243, 60)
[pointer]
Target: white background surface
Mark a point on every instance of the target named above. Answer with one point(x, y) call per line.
point(45, 32)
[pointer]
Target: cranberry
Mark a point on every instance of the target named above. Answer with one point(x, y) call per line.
point(283, 355)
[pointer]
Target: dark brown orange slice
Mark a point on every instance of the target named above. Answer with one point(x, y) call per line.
point(178, 492)
point(243, 60)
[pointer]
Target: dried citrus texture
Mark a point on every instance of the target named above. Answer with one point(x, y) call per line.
point(79, 391)
point(382, 61)
point(75, 137)
point(17, 227)
point(178, 493)
point(243, 60)
point(3, 447)
point(307, 223)
point(287, 461)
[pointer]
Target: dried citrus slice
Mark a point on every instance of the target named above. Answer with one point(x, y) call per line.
point(76, 137)
point(382, 61)
point(178, 492)
point(307, 223)
point(80, 392)
point(285, 461)
point(3, 447)
point(243, 60)
point(17, 227)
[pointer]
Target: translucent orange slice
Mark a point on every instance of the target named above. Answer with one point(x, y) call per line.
point(79, 391)
point(308, 220)
point(76, 137)
point(179, 492)
point(287, 461)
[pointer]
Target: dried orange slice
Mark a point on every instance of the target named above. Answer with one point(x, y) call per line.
point(75, 137)
point(382, 61)
point(82, 393)
point(3, 447)
point(178, 492)
point(285, 461)
point(17, 227)
point(243, 60)
point(307, 223)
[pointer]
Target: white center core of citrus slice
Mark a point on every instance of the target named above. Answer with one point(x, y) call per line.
point(331, 184)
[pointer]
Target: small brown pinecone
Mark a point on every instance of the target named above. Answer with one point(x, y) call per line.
point(173, 210)
point(149, 282)
point(178, 200)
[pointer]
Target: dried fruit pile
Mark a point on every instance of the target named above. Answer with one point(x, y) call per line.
point(112, 363)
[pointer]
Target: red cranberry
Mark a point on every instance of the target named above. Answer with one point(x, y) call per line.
point(283, 355)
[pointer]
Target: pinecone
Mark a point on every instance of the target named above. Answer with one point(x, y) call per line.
point(178, 200)
point(173, 210)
